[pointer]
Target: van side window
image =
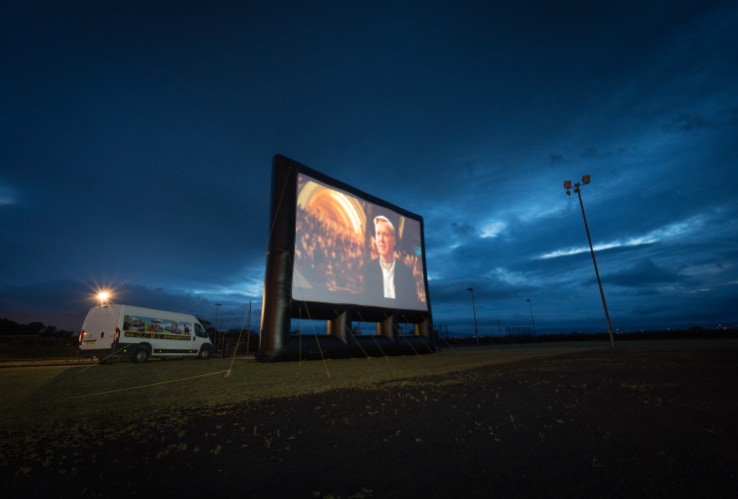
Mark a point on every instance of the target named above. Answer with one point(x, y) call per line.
point(199, 331)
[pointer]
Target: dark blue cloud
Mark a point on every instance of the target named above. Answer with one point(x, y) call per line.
point(136, 146)
point(644, 274)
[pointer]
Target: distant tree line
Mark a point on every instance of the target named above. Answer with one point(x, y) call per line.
point(669, 334)
point(12, 328)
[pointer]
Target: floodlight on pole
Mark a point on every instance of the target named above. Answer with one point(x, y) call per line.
point(217, 307)
point(474, 312)
point(577, 189)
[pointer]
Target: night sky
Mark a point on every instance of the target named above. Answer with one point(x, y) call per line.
point(137, 140)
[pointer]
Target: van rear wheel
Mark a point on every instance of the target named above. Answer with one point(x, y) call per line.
point(140, 356)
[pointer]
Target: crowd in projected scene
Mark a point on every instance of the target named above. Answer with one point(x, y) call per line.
point(328, 253)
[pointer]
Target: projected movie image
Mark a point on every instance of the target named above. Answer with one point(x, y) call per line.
point(351, 251)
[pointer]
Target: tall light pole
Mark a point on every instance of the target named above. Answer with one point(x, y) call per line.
point(531, 316)
point(474, 311)
point(217, 307)
point(578, 190)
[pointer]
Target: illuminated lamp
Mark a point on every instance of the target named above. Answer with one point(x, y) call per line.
point(103, 297)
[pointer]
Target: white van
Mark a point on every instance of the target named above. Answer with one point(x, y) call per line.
point(139, 333)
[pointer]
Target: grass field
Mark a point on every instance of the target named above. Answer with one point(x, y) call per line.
point(68, 390)
point(554, 420)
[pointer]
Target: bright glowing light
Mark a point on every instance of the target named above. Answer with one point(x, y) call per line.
point(103, 297)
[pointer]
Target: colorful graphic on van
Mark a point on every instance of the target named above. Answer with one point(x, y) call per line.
point(151, 328)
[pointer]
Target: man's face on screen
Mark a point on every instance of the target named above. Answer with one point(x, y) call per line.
point(385, 241)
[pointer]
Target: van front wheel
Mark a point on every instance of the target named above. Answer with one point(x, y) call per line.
point(140, 356)
point(204, 353)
